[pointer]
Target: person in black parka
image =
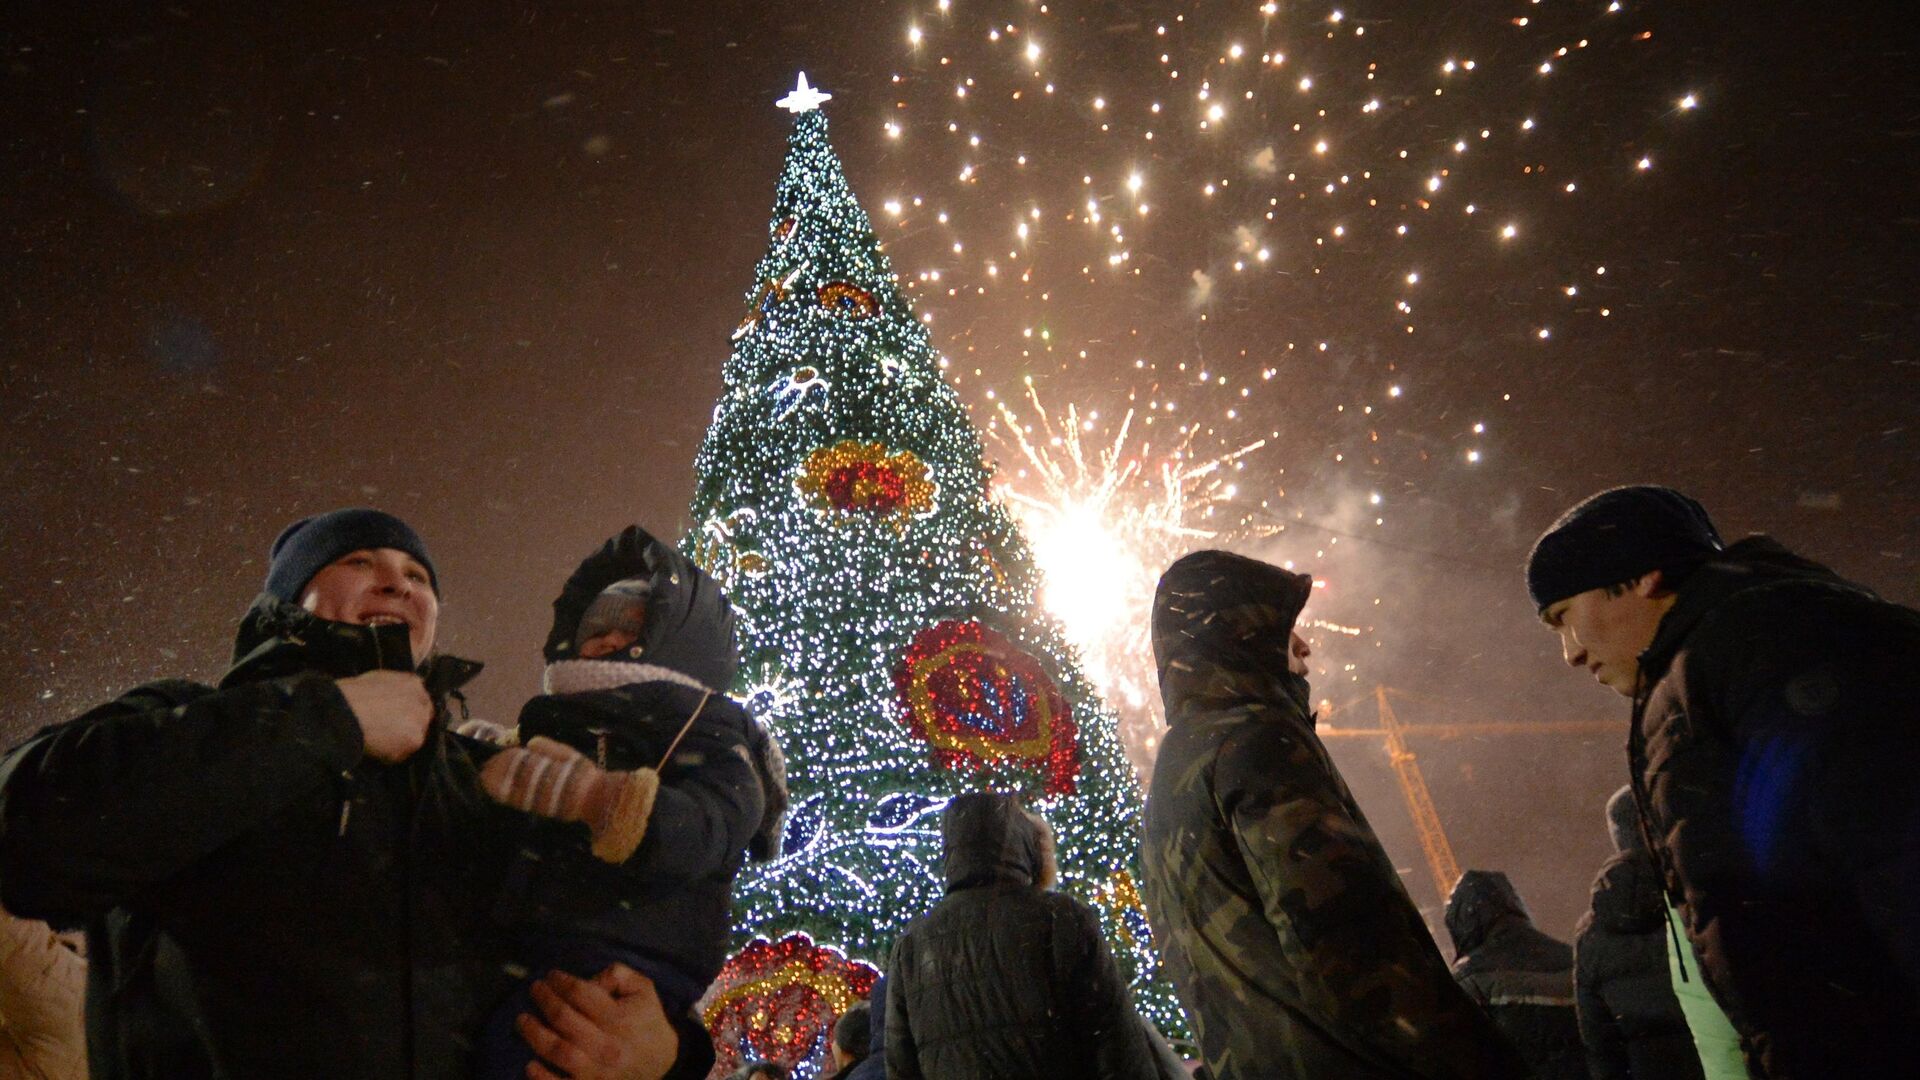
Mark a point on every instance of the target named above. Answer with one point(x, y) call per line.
point(292, 873)
point(1519, 975)
point(1003, 978)
point(1630, 1019)
point(1772, 748)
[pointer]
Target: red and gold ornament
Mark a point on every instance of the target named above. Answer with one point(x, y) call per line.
point(854, 477)
point(983, 702)
point(778, 1000)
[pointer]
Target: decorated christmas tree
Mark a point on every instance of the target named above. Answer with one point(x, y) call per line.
point(891, 634)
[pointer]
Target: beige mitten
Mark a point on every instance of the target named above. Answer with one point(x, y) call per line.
point(489, 732)
point(553, 780)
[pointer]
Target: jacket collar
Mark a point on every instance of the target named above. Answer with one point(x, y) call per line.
point(276, 639)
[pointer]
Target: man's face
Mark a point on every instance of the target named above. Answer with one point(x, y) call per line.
point(375, 586)
point(1607, 633)
point(1297, 653)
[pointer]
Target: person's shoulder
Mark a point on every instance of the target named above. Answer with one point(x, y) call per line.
point(1066, 903)
point(681, 698)
point(1780, 628)
point(158, 694)
point(1265, 748)
point(1789, 609)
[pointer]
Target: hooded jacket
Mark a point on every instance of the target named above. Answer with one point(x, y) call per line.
point(1522, 977)
point(1630, 1020)
point(259, 900)
point(720, 792)
point(1002, 978)
point(1283, 924)
point(1774, 744)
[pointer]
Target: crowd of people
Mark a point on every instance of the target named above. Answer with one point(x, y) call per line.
point(320, 867)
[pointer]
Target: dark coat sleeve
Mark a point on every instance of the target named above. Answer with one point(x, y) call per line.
point(1089, 979)
point(1651, 1026)
point(1599, 1031)
point(1369, 972)
point(1781, 757)
point(903, 1056)
point(695, 1058)
point(709, 804)
point(1805, 708)
point(94, 810)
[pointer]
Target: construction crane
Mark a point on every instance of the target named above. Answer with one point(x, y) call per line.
point(1413, 785)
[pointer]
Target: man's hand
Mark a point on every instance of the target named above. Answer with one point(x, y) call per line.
point(611, 1027)
point(393, 709)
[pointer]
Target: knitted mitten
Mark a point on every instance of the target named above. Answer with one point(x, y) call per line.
point(553, 780)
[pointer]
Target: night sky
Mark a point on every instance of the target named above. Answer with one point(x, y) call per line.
point(263, 260)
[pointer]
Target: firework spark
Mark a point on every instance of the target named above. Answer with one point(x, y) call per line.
point(1104, 517)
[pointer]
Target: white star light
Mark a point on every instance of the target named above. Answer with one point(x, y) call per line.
point(804, 98)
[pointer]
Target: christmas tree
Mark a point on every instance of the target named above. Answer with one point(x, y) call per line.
point(891, 634)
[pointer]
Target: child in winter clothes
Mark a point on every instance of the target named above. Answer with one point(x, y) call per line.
point(674, 781)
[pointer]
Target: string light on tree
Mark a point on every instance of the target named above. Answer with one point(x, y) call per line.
point(892, 623)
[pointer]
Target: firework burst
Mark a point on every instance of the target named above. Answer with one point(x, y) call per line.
point(1104, 515)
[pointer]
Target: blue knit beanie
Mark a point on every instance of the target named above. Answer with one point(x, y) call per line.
point(1617, 536)
point(307, 546)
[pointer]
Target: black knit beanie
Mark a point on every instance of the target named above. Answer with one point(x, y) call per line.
point(1617, 536)
point(305, 547)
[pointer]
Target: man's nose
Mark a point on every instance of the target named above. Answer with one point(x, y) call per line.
point(1573, 651)
point(395, 583)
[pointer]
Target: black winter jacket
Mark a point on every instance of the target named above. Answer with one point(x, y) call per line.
point(672, 900)
point(1522, 977)
point(1002, 979)
point(1630, 1019)
point(260, 900)
point(1775, 742)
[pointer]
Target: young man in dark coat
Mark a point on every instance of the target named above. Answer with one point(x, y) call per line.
point(1630, 1020)
point(1774, 743)
point(1283, 924)
point(1004, 978)
point(1519, 975)
point(290, 873)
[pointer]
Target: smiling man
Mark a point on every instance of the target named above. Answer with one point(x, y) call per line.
point(1773, 753)
point(292, 873)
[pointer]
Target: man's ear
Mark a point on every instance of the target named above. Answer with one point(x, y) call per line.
point(1650, 585)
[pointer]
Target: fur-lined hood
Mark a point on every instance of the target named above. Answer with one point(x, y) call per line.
point(689, 622)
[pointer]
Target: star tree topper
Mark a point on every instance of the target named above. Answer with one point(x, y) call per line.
point(804, 98)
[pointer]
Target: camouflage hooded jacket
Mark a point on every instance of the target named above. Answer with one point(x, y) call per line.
point(1282, 923)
